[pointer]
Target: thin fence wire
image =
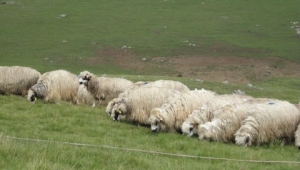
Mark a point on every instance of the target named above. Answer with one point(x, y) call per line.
point(150, 152)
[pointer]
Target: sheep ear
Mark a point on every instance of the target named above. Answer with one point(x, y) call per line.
point(120, 111)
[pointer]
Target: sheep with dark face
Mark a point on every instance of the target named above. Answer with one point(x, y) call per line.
point(267, 122)
point(175, 85)
point(55, 86)
point(104, 89)
point(205, 113)
point(17, 80)
point(135, 107)
point(170, 116)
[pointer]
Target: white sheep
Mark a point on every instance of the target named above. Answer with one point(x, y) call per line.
point(84, 96)
point(136, 106)
point(206, 111)
point(175, 85)
point(17, 80)
point(267, 122)
point(297, 137)
point(170, 116)
point(228, 120)
point(103, 89)
point(297, 133)
point(55, 86)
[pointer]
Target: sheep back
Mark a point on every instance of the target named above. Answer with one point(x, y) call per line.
point(267, 122)
point(56, 86)
point(17, 80)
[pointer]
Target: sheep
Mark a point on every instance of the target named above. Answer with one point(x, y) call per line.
point(136, 106)
point(206, 111)
point(297, 133)
point(17, 80)
point(55, 86)
point(103, 89)
point(228, 120)
point(297, 137)
point(175, 85)
point(170, 116)
point(276, 120)
point(85, 97)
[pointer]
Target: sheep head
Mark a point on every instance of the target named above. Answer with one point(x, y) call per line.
point(37, 91)
point(84, 77)
point(31, 96)
point(206, 131)
point(189, 128)
point(156, 120)
point(119, 111)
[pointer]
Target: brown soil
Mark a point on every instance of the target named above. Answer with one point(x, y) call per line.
point(226, 68)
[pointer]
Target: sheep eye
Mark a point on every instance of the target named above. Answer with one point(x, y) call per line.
point(191, 129)
point(156, 123)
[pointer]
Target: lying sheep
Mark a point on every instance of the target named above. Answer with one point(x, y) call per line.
point(228, 120)
point(267, 122)
point(170, 116)
point(136, 106)
point(17, 80)
point(206, 111)
point(55, 86)
point(175, 85)
point(103, 89)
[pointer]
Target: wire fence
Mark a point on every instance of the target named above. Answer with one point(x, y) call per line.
point(150, 152)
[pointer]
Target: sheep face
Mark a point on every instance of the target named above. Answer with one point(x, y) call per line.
point(37, 91)
point(206, 131)
point(154, 121)
point(119, 111)
point(189, 129)
point(245, 135)
point(31, 96)
point(243, 140)
point(111, 105)
point(84, 78)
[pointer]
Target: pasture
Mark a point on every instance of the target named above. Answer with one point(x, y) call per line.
point(113, 38)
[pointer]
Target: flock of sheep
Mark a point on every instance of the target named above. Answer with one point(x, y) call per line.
point(164, 105)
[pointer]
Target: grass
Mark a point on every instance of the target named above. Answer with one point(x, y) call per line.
point(33, 34)
point(33, 30)
point(86, 125)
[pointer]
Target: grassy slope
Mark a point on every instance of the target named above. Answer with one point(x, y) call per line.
point(31, 31)
point(86, 125)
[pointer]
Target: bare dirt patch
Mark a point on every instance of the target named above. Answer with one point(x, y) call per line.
point(226, 68)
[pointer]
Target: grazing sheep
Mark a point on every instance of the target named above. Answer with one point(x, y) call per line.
point(267, 122)
point(228, 120)
point(175, 85)
point(297, 137)
point(103, 89)
point(85, 97)
point(55, 86)
point(17, 80)
point(206, 111)
point(136, 106)
point(170, 116)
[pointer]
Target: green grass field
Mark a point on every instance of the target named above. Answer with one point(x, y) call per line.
point(33, 34)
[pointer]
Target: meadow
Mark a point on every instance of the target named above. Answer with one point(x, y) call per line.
point(34, 33)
